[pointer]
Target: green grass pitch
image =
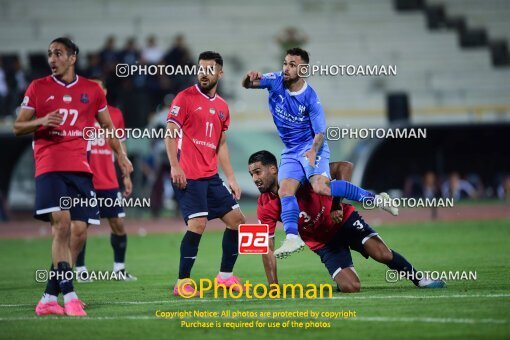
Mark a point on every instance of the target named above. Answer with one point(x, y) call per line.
point(478, 308)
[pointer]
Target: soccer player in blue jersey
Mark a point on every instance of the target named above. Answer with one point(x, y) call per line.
point(301, 122)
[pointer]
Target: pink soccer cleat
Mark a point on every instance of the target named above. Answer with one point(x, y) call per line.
point(49, 308)
point(74, 308)
point(186, 288)
point(231, 281)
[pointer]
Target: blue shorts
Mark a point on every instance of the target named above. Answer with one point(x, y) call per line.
point(353, 234)
point(205, 197)
point(299, 168)
point(113, 210)
point(54, 190)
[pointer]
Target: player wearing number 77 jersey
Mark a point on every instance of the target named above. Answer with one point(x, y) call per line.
point(56, 109)
point(203, 118)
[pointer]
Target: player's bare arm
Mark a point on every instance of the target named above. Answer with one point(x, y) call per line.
point(339, 171)
point(176, 172)
point(26, 124)
point(226, 166)
point(106, 123)
point(252, 80)
point(269, 261)
point(311, 154)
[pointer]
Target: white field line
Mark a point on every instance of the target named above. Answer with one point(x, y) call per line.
point(346, 297)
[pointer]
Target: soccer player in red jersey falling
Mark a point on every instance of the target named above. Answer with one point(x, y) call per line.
point(56, 109)
point(328, 227)
point(203, 118)
point(102, 163)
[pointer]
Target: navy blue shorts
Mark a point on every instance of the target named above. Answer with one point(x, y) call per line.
point(110, 210)
point(205, 197)
point(54, 191)
point(353, 234)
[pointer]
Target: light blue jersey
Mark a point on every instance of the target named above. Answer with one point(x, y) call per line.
point(298, 117)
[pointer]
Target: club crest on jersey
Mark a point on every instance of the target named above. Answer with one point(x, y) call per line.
point(84, 98)
point(175, 110)
point(222, 115)
point(212, 111)
point(67, 98)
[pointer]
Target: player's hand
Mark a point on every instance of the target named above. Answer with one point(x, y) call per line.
point(125, 165)
point(337, 215)
point(311, 155)
point(254, 75)
point(128, 186)
point(52, 119)
point(178, 177)
point(236, 190)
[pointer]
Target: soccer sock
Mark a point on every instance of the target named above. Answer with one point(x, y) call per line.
point(400, 264)
point(65, 278)
point(52, 288)
point(290, 214)
point(349, 191)
point(119, 245)
point(229, 245)
point(80, 260)
point(189, 251)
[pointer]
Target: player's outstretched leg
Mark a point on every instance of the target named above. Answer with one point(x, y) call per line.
point(118, 240)
point(341, 188)
point(290, 216)
point(378, 250)
point(82, 274)
point(230, 246)
point(189, 251)
point(48, 305)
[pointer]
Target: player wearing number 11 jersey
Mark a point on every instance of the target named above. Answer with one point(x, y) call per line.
point(203, 118)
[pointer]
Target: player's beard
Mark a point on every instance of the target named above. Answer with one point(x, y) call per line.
point(289, 82)
point(208, 87)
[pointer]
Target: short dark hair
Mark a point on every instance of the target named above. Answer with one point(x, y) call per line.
point(71, 47)
point(263, 156)
point(299, 52)
point(210, 55)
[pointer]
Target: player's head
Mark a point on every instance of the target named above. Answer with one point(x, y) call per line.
point(100, 82)
point(210, 70)
point(293, 58)
point(62, 56)
point(263, 169)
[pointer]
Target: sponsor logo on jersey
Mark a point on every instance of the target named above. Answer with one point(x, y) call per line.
point(84, 98)
point(49, 98)
point(175, 110)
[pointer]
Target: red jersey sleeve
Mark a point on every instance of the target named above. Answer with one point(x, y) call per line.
point(267, 214)
point(178, 111)
point(101, 103)
point(226, 123)
point(29, 101)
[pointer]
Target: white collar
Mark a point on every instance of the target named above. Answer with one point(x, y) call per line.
point(303, 89)
point(60, 82)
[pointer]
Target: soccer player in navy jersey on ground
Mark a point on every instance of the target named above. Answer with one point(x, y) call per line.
point(328, 227)
point(56, 109)
point(106, 184)
point(301, 122)
point(203, 118)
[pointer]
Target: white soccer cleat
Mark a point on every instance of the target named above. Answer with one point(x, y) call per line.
point(289, 246)
point(383, 201)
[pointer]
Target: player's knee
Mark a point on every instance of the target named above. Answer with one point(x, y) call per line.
point(117, 226)
point(197, 225)
point(62, 227)
point(321, 188)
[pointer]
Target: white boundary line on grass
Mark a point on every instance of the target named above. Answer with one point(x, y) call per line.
point(346, 297)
